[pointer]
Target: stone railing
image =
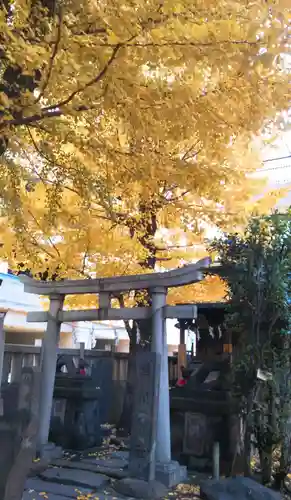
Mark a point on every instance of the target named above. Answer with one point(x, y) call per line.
point(18, 356)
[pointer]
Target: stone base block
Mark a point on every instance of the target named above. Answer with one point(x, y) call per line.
point(170, 474)
point(50, 451)
point(240, 488)
point(200, 464)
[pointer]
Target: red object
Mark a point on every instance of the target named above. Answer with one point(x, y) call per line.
point(181, 382)
point(82, 371)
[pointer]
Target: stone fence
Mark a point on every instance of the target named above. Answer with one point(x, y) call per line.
point(18, 356)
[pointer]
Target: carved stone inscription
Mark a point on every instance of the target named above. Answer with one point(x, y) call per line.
point(195, 434)
point(145, 412)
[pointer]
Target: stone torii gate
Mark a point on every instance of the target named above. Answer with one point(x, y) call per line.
point(157, 284)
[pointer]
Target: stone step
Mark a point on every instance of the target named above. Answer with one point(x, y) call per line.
point(69, 477)
point(91, 466)
point(38, 485)
point(27, 495)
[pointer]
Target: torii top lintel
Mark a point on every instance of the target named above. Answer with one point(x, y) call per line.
point(186, 275)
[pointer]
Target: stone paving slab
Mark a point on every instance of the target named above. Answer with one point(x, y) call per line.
point(92, 467)
point(124, 455)
point(115, 463)
point(33, 495)
point(83, 478)
point(39, 485)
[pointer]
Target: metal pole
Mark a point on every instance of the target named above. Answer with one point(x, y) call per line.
point(215, 460)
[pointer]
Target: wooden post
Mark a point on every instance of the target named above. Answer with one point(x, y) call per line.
point(16, 367)
point(227, 345)
point(48, 369)
point(182, 353)
point(159, 345)
point(28, 360)
point(82, 350)
point(6, 368)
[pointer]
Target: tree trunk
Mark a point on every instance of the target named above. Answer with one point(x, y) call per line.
point(266, 453)
point(266, 464)
point(144, 227)
point(247, 450)
point(281, 473)
point(248, 435)
point(285, 428)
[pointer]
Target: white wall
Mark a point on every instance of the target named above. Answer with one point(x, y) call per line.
point(18, 303)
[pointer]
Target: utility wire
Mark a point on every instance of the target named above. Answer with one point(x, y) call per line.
point(277, 159)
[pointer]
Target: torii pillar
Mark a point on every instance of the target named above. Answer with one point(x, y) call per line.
point(49, 352)
point(168, 472)
point(159, 345)
point(2, 350)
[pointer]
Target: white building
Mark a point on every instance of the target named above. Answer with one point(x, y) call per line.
point(16, 303)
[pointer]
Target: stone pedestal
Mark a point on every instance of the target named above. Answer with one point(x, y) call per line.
point(170, 474)
point(21, 430)
point(50, 451)
point(137, 488)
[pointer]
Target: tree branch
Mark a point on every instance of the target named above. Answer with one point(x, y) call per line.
point(46, 158)
point(91, 82)
point(44, 114)
point(177, 198)
point(36, 244)
point(184, 44)
point(49, 239)
point(52, 58)
point(121, 302)
point(88, 31)
point(185, 155)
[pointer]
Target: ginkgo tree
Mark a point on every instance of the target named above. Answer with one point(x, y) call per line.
point(127, 126)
